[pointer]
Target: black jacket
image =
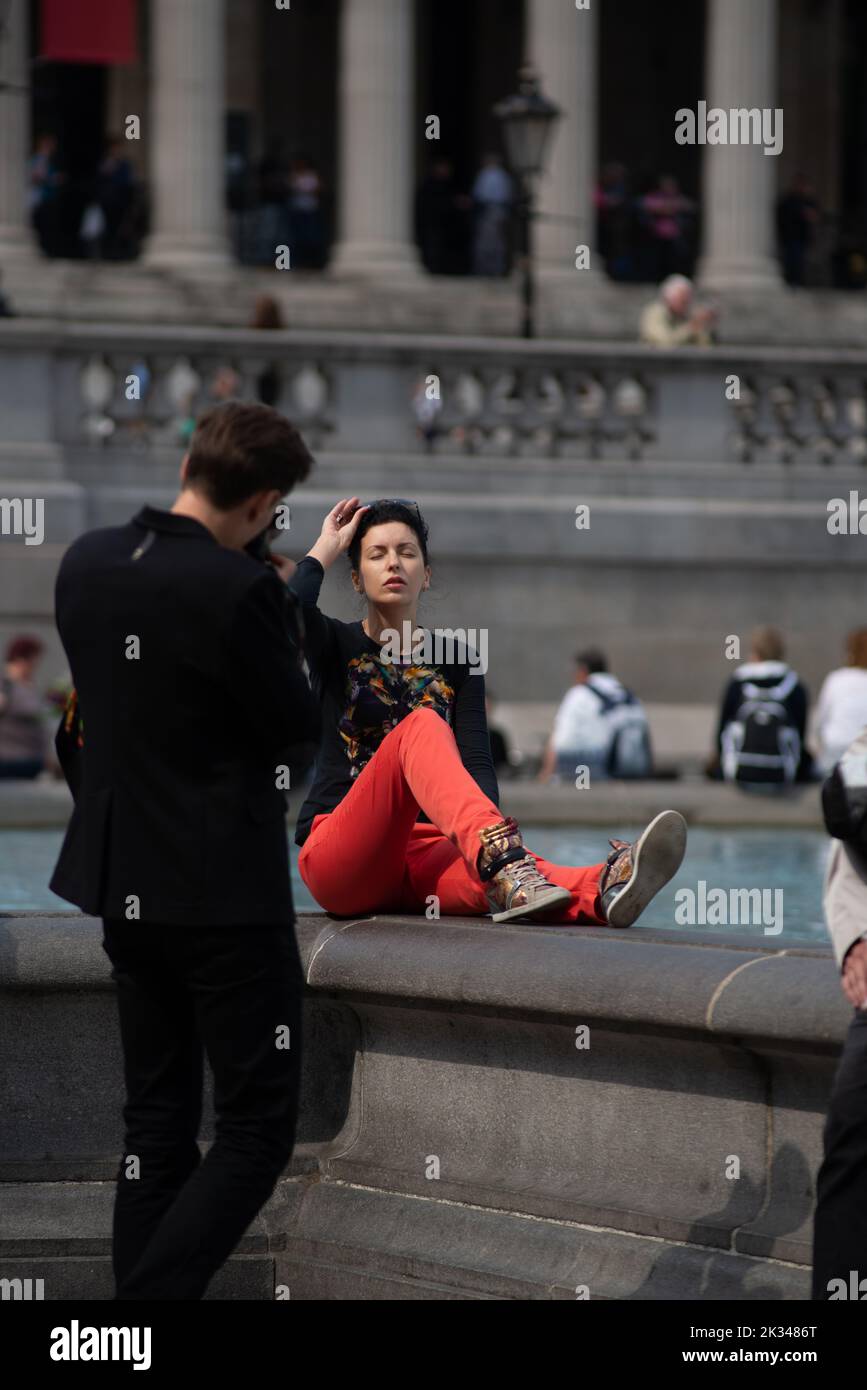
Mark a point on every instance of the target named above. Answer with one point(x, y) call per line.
point(363, 696)
point(175, 786)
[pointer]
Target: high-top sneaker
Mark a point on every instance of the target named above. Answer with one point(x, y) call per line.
point(634, 873)
point(514, 886)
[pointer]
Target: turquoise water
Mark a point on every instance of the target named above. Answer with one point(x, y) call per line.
point(787, 864)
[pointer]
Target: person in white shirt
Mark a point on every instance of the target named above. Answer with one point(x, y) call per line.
point(841, 711)
point(600, 726)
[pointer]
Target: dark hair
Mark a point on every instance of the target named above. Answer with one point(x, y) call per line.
point(380, 512)
point(23, 648)
point(767, 643)
point(241, 448)
point(593, 659)
point(266, 313)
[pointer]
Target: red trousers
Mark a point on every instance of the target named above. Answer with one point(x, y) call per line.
point(368, 855)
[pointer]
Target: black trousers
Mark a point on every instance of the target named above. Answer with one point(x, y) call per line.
point(233, 993)
point(840, 1229)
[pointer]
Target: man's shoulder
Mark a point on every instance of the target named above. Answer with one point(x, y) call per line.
point(576, 696)
point(101, 542)
point(109, 542)
point(844, 678)
point(654, 312)
point(194, 567)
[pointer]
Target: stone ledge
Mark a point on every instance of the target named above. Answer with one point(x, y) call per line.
point(38, 805)
point(457, 1041)
point(649, 979)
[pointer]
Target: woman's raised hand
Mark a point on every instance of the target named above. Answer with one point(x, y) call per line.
point(338, 529)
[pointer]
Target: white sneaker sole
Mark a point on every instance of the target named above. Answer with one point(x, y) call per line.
point(656, 858)
point(544, 903)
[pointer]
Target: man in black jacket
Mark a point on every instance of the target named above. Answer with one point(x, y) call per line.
point(189, 692)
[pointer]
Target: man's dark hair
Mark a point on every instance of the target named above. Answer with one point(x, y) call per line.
point(380, 512)
point(240, 448)
point(593, 659)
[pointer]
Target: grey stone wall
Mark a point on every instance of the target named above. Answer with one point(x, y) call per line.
point(705, 519)
point(454, 1140)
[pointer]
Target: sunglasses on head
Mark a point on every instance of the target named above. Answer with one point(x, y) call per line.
point(401, 502)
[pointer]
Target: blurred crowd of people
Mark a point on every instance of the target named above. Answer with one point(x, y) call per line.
point(100, 215)
point(471, 230)
point(644, 234)
point(103, 214)
point(280, 202)
point(650, 233)
point(463, 232)
point(766, 741)
point(647, 229)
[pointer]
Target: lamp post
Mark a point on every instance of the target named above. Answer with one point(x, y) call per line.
point(527, 121)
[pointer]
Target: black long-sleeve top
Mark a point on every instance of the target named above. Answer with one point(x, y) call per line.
point(363, 696)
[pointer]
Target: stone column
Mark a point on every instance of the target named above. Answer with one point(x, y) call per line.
point(740, 181)
point(375, 86)
point(16, 240)
point(187, 135)
point(561, 46)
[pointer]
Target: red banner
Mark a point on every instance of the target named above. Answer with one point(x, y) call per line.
point(89, 31)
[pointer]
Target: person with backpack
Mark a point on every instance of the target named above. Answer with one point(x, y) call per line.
point(600, 726)
point(761, 734)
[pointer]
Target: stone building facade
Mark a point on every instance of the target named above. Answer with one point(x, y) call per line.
point(350, 82)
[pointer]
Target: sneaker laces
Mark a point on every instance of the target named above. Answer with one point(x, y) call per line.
point(526, 871)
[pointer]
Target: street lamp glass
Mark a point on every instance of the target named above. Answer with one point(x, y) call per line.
point(527, 120)
point(526, 139)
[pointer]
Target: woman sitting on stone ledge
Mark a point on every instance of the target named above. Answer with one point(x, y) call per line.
point(403, 812)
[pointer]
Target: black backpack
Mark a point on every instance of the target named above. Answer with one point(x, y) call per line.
point(844, 796)
point(761, 746)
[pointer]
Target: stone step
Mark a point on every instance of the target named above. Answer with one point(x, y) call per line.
point(61, 1233)
point(31, 460)
point(350, 1243)
point(567, 308)
point(39, 511)
point(353, 1243)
